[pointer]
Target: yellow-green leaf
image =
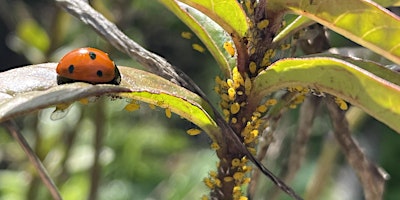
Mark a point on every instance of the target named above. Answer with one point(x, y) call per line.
point(374, 95)
point(209, 32)
point(362, 21)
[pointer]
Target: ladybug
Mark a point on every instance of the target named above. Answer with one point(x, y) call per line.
point(87, 65)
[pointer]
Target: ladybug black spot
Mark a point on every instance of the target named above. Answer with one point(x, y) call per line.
point(99, 73)
point(92, 55)
point(71, 69)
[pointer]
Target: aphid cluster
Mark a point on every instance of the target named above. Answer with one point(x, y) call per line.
point(233, 94)
point(236, 174)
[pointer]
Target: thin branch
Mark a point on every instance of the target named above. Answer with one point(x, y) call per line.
point(371, 176)
point(16, 134)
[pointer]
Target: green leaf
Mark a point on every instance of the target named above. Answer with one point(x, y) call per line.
point(296, 25)
point(362, 21)
point(374, 95)
point(31, 88)
point(209, 32)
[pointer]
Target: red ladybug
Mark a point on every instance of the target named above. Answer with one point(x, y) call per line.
point(87, 65)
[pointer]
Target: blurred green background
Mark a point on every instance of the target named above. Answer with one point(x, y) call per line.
point(144, 155)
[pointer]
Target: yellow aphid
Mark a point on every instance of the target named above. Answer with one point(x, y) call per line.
point(252, 67)
point(262, 108)
point(254, 133)
point(234, 120)
point(237, 77)
point(231, 94)
point(341, 103)
point(218, 182)
point(205, 197)
point(168, 112)
point(256, 114)
point(226, 112)
point(193, 131)
point(186, 35)
point(228, 46)
point(84, 101)
point(267, 57)
point(215, 146)
point(228, 178)
point(239, 92)
point(238, 176)
point(246, 168)
point(247, 86)
point(243, 197)
point(235, 162)
point(208, 183)
point(237, 189)
point(271, 102)
point(244, 160)
point(262, 24)
point(230, 83)
point(213, 173)
point(134, 105)
point(198, 48)
point(235, 107)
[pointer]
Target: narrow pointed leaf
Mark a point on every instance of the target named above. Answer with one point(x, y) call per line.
point(227, 13)
point(209, 32)
point(374, 95)
point(362, 21)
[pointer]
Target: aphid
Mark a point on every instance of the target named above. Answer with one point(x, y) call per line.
point(231, 94)
point(198, 48)
point(252, 67)
point(193, 131)
point(186, 35)
point(341, 103)
point(87, 65)
point(228, 46)
point(235, 107)
point(132, 106)
point(215, 146)
point(168, 112)
point(263, 24)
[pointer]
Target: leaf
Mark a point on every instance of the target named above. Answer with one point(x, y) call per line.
point(155, 90)
point(209, 32)
point(361, 21)
point(31, 88)
point(227, 13)
point(296, 25)
point(374, 95)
